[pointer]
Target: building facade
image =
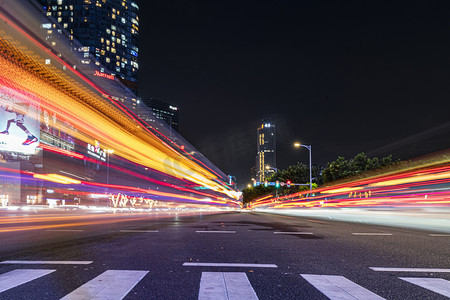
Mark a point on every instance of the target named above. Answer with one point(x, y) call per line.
point(152, 110)
point(266, 163)
point(108, 32)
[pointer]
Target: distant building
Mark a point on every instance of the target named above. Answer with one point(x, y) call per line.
point(107, 31)
point(152, 110)
point(253, 172)
point(266, 163)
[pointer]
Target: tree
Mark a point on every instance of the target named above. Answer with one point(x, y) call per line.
point(341, 168)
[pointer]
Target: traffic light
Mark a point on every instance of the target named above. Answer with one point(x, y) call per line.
point(254, 182)
point(288, 183)
point(266, 183)
point(277, 184)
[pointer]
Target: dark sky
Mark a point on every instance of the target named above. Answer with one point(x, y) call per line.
point(343, 76)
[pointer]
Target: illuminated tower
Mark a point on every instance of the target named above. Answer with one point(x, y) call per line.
point(108, 30)
point(266, 150)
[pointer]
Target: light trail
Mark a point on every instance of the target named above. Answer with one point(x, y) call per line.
point(38, 75)
point(414, 188)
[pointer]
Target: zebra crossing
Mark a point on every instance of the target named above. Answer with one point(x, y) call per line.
point(117, 284)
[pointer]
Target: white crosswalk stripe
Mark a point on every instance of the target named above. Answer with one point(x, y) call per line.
point(116, 284)
point(437, 285)
point(20, 276)
point(110, 285)
point(339, 288)
point(225, 286)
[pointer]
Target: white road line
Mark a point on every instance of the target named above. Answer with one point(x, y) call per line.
point(46, 262)
point(427, 270)
point(291, 232)
point(111, 285)
point(190, 264)
point(17, 277)
point(216, 231)
point(64, 230)
point(438, 234)
point(339, 288)
point(371, 233)
point(437, 285)
point(226, 286)
point(139, 231)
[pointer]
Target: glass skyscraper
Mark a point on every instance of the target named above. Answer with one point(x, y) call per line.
point(266, 150)
point(107, 29)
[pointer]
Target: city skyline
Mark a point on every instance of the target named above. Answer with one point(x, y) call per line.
point(343, 77)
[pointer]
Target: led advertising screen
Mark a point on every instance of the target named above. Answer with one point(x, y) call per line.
point(19, 122)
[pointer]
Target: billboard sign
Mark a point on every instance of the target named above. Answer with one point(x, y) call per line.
point(19, 122)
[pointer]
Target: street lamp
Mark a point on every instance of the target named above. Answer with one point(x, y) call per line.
point(298, 145)
point(108, 153)
point(271, 168)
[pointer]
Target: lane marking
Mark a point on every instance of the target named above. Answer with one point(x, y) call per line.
point(226, 286)
point(438, 234)
point(47, 262)
point(139, 230)
point(216, 231)
point(191, 264)
point(111, 285)
point(427, 270)
point(18, 277)
point(339, 287)
point(65, 230)
point(371, 233)
point(437, 285)
point(291, 232)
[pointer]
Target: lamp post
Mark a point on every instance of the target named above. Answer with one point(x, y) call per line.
point(298, 145)
point(271, 168)
point(276, 171)
point(108, 153)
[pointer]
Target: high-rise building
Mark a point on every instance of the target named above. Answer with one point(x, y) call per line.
point(266, 163)
point(107, 30)
point(152, 110)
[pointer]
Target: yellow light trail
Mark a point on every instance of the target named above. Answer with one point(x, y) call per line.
point(76, 102)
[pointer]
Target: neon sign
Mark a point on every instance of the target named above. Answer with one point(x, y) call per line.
point(100, 74)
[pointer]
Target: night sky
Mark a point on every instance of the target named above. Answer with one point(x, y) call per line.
point(343, 76)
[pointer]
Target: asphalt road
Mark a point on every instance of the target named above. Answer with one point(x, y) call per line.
point(168, 257)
